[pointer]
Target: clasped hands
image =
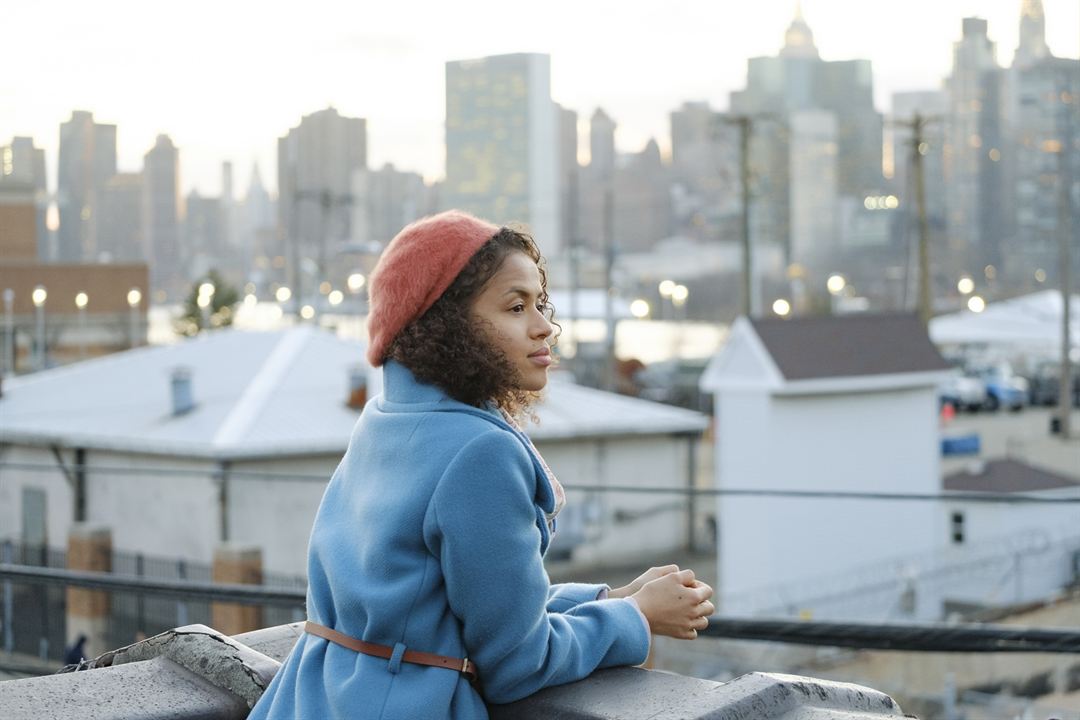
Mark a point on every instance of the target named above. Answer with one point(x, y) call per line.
point(674, 602)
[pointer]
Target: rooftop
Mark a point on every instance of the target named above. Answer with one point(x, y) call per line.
point(260, 394)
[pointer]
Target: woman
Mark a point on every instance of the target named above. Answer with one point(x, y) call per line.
point(425, 565)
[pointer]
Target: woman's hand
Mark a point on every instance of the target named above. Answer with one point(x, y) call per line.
point(646, 577)
point(676, 605)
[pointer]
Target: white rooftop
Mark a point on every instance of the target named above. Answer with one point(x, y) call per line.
point(258, 394)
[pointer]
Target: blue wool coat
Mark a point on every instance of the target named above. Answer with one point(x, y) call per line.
point(431, 536)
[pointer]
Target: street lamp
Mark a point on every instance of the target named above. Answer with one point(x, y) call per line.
point(80, 302)
point(39, 296)
point(9, 331)
point(836, 285)
point(134, 297)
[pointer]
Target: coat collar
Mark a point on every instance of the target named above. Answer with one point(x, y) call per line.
point(402, 392)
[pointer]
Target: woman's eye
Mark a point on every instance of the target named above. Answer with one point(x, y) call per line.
point(517, 308)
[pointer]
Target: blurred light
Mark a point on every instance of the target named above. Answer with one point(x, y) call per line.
point(995, 154)
point(795, 271)
point(39, 296)
point(639, 308)
point(781, 307)
point(204, 301)
point(965, 285)
point(283, 294)
point(250, 300)
point(666, 287)
point(307, 312)
point(976, 304)
point(81, 300)
point(207, 289)
point(356, 281)
point(679, 294)
point(276, 312)
point(924, 148)
point(1051, 146)
point(335, 297)
point(249, 288)
point(892, 202)
point(134, 297)
point(278, 261)
point(870, 203)
point(325, 287)
point(990, 271)
point(1040, 275)
point(836, 284)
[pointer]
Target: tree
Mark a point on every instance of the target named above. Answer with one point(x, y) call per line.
point(219, 305)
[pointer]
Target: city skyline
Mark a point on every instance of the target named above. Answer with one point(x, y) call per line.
point(250, 80)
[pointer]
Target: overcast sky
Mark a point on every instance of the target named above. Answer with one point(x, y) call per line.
point(225, 79)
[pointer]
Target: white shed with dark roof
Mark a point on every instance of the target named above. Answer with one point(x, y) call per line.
point(231, 437)
point(822, 404)
point(1038, 543)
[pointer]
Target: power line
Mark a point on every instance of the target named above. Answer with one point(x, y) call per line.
point(976, 497)
point(917, 637)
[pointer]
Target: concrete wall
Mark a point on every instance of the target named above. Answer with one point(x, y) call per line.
point(178, 515)
point(277, 514)
point(876, 442)
point(58, 495)
point(163, 515)
point(612, 527)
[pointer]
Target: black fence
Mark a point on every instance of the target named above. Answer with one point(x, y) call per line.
point(33, 615)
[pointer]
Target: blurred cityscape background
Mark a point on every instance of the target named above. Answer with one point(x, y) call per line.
point(801, 284)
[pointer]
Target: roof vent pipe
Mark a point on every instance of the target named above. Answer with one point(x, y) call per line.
point(358, 394)
point(183, 400)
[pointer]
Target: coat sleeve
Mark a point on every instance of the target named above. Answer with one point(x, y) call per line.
point(565, 596)
point(489, 550)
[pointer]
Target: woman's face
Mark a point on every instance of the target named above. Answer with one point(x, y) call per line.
point(510, 307)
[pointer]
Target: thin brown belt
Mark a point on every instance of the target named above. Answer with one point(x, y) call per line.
point(462, 665)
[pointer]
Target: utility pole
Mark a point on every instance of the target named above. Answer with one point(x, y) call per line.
point(745, 124)
point(572, 252)
point(745, 128)
point(926, 308)
point(609, 300)
point(917, 125)
point(1064, 215)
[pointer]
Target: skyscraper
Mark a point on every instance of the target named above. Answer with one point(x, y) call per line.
point(501, 143)
point(120, 220)
point(316, 162)
point(161, 218)
point(974, 140)
point(22, 165)
point(1042, 121)
point(798, 81)
point(87, 160)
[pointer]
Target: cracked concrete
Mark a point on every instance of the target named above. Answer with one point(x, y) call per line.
point(217, 658)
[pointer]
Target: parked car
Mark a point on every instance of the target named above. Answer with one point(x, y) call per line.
point(1004, 388)
point(1045, 383)
point(963, 392)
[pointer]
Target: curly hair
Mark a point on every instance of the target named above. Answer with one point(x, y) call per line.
point(449, 348)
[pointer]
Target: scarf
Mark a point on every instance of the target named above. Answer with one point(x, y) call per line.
point(556, 487)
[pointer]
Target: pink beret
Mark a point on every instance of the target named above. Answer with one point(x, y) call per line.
point(416, 269)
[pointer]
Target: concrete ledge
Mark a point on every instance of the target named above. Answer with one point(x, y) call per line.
point(637, 694)
point(196, 672)
point(151, 690)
